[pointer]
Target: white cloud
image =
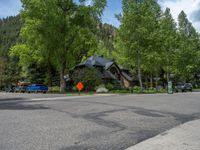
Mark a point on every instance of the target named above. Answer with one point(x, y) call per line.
point(89, 2)
point(188, 6)
point(9, 7)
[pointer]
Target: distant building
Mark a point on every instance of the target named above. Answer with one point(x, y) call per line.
point(110, 71)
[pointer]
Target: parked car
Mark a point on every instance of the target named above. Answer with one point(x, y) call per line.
point(17, 89)
point(20, 89)
point(36, 88)
point(10, 89)
point(183, 87)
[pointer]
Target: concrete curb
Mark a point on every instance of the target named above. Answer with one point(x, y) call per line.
point(183, 137)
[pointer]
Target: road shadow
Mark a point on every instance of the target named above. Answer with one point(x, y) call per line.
point(20, 105)
point(12, 99)
point(76, 147)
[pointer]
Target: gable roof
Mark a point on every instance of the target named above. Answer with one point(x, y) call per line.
point(125, 75)
point(96, 61)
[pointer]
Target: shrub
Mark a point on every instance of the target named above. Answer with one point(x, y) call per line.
point(121, 91)
point(100, 86)
point(74, 88)
point(54, 89)
point(110, 86)
point(136, 89)
point(150, 91)
point(90, 77)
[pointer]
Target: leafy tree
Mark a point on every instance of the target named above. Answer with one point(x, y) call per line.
point(187, 56)
point(60, 30)
point(57, 34)
point(169, 40)
point(137, 31)
point(152, 65)
point(90, 77)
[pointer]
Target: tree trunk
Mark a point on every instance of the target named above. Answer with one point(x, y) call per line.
point(157, 82)
point(0, 84)
point(139, 70)
point(151, 80)
point(49, 74)
point(168, 79)
point(146, 81)
point(62, 80)
point(140, 78)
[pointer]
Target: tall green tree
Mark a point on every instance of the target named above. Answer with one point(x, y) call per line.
point(60, 30)
point(137, 31)
point(186, 60)
point(169, 39)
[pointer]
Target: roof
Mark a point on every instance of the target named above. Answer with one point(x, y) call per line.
point(127, 76)
point(96, 61)
point(23, 83)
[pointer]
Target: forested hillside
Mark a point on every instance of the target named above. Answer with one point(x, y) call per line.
point(9, 31)
point(9, 36)
point(107, 34)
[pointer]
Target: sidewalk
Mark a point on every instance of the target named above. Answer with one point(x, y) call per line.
point(183, 137)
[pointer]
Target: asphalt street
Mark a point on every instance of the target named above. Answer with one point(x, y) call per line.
point(99, 122)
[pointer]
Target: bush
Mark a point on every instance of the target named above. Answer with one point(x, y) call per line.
point(54, 89)
point(150, 91)
point(110, 86)
point(74, 88)
point(121, 91)
point(162, 90)
point(135, 89)
point(100, 86)
point(90, 77)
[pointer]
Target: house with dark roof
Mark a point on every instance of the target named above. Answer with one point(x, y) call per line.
point(110, 71)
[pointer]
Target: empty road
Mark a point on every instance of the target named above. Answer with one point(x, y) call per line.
point(98, 122)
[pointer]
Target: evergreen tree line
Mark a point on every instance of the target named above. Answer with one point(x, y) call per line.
point(9, 35)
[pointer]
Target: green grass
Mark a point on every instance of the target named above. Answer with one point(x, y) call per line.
point(56, 90)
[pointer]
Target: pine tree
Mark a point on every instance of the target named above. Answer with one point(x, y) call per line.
point(9, 35)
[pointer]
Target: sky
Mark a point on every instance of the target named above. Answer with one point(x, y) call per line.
point(191, 7)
